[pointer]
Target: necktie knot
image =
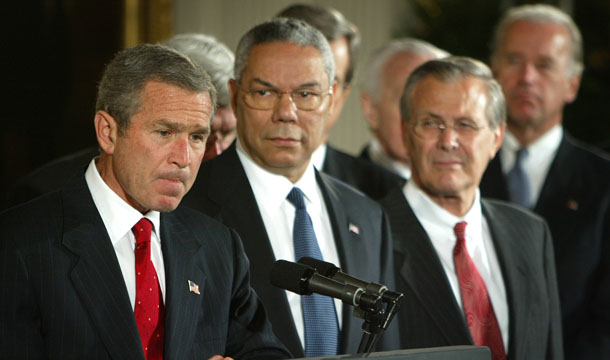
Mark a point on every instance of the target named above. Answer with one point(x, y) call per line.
point(142, 230)
point(520, 156)
point(460, 232)
point(296, 198)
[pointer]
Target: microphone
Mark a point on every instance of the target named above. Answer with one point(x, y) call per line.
point(331, 271)
point(304, 280)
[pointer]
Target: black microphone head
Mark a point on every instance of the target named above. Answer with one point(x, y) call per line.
point(291, 276)
point(322, 267)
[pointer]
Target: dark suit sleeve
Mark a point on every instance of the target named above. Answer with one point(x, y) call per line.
point(555, 344)
point(20, 321)
point(248, 320)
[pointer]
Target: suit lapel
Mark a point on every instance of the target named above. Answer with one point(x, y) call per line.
point(96, 275)
point(230, 190)
point(348, 244)
point(422, 271)
point(182, 306)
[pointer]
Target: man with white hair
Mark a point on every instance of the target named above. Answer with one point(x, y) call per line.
point(537, 58)
point(387, 72)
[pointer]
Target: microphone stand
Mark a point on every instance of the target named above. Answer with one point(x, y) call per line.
point(376, 318)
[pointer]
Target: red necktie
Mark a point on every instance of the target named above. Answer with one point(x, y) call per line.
point(479, 311)
point(149, 310)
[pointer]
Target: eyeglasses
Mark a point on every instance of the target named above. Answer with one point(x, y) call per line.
point(266, 98)
point(433, 128)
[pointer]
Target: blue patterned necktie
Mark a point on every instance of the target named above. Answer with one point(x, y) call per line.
point(518, 184)
point(319, 316)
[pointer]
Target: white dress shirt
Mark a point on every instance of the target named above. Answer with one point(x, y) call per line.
point(379, 157)
point(439, 225)
point(318, 157)
point(540, 155)
point(119, 217)
point(270, 191)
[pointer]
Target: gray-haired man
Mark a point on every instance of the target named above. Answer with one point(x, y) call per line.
point(282, 95)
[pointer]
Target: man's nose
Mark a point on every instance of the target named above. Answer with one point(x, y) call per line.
point(181, 152)
point(285, 109)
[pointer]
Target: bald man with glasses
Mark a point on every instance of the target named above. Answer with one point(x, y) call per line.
point(283, 95)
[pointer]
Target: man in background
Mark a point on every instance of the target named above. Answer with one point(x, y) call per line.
point(344, 41)
point(109, 266)
point(217, 60)
point(385, 77)
point(473, 271)
point(537, 58)
point(266, 187)
point(206, 52)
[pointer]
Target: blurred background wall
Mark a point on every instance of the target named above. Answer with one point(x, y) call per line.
point(55, 51)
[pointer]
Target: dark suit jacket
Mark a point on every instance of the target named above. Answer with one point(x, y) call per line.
point(432, 317)
point(575, 201)
point(370, 178)
point(63, 294)
point(223, 191)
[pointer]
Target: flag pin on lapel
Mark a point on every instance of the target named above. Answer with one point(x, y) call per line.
point(194, 288)
point(353, 228)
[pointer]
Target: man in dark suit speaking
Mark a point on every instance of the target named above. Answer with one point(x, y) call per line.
point(473, 271)
point(266, 187)
point(109, 267)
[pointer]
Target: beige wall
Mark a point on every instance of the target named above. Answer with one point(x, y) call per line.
point(227, 20)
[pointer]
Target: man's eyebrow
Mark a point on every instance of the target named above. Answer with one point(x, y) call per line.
point(268, 84)
point(432, 115)
point(176, 126)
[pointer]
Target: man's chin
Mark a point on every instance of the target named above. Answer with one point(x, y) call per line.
point(166, 203)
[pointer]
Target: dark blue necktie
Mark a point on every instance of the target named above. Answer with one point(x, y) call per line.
point(518, 184)
point(319, 316)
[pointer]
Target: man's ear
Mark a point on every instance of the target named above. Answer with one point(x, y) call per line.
point(573, 86)
point(370, 111)
point(333, 96)
point(233, 89)
point(405, 133)
point(106, 131)
point(498, 134)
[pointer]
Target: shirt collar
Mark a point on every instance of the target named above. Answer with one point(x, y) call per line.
point(545, 147)
point(118, 216)
point(271, 190)
point(429, 212)
point(318, 156)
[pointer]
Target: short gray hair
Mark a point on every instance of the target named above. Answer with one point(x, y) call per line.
point(333, 26)
point(120, 90)
point(213, 56)
point(453, 69)
point(542, 13)
point(379, 57)
point(292, 31)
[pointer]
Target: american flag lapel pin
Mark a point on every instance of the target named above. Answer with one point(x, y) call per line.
point(194, 288)
point(353, 228)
